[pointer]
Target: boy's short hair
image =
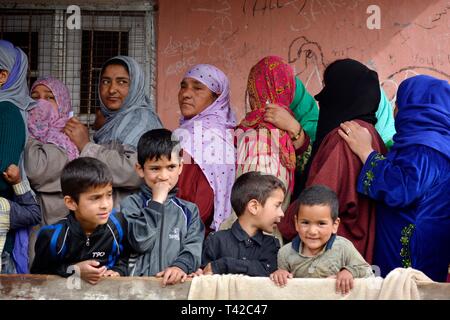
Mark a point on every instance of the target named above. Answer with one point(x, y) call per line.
point(320, 195)
point(82, 174)
point(253, 185)
point(157, 143)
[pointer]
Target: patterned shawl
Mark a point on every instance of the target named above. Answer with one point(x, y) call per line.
point(208, 138)
point(45, 123)
point(270, 80)
point(135, 117)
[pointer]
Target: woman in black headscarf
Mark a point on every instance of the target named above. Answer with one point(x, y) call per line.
point(351, 92)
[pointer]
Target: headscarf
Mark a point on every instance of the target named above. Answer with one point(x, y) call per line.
point(423, 116)
point(305, 109)
point(351, 91)
point(15, 90)
point(208, 138)
point(385, 119)
point(271, 80)
point(136, 115)
point(45, 123)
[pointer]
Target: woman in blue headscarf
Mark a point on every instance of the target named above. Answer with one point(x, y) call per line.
point(412, 182)
point(18, 208)
point(128, 113)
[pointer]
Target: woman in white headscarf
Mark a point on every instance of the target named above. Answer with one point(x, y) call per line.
point(128, 114)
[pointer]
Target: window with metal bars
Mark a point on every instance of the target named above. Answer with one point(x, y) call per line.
point(97, 47)
point(76, 56)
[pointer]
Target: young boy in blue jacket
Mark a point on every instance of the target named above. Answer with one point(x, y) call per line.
point(92, 240)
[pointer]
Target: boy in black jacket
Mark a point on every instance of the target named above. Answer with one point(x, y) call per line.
point(92, 239)
point(245, 249)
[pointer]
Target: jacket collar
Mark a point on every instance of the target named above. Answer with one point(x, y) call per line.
point(297, 241)
point(76, 228)
point(241, 235)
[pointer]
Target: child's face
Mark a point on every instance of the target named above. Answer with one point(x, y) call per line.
point(162, 170)
point(93, 208)
point(271, 213)
point(315, 227)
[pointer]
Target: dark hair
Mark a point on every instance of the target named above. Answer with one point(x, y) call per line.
point(319, 195)
point(82, 174)
point(157, 143)
point(114, 61)
point(253, 185)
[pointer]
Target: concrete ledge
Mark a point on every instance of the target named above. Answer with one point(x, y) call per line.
point(38, 287)
point(46, 287)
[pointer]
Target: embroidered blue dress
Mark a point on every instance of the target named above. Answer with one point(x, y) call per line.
point(412, 184)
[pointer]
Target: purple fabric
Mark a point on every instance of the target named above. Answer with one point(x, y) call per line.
point(46, 124)
point(15, 90)
point(208, 138)
point(14, 74)
point(20, 250)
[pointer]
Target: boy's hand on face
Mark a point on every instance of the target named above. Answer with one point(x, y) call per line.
point(12, 174)
point(160, 191)
point(344, 281)
point(280, 277)
point(172, 275)
point(90, 271)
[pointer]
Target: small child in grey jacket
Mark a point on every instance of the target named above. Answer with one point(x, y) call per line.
point(166, 231)
point(317, 252)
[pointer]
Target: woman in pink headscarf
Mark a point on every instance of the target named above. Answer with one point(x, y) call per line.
point(206, 135)
point(271, 139)
point(48, 149)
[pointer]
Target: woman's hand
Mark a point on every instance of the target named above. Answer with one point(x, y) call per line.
point(77, 132)
point(12, 174)
point(283, 120)
point(357, 138)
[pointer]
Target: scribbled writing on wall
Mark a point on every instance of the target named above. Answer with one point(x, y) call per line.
point(262, 6)
point(308, 62)
point(391, 83)
point(220, 36)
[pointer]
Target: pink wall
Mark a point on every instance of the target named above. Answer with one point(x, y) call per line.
point(414, 38)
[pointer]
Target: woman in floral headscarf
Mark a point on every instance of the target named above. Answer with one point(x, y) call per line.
point(273, 92)
point(275, 136)
point(206, 132)
point(49, 149)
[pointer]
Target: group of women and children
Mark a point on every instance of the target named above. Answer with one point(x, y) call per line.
point(331, 176)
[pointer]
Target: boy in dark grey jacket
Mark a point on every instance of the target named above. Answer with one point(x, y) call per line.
point(165, 230)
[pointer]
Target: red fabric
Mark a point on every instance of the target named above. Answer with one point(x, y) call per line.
point(193, 187)
point(271, 80)
point(337, 167)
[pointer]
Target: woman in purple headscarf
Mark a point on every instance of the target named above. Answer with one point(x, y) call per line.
point(48, 149)
point(206, 134)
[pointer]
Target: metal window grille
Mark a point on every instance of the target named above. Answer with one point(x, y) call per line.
point(76, 56)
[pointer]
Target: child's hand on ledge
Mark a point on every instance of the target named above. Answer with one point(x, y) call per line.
point(111, 273)
point(280, 277)
point(172, 275)
point(344, 281)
